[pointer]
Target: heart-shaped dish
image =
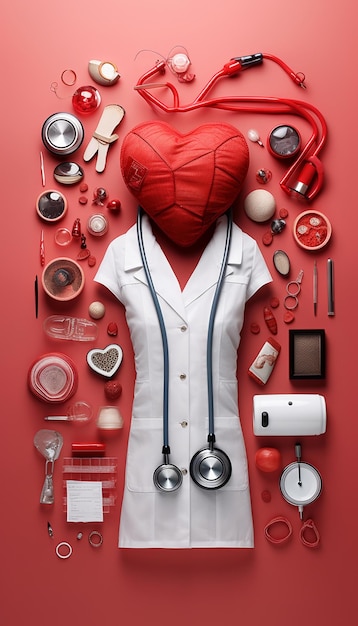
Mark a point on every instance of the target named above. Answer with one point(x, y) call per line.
point(107, 361)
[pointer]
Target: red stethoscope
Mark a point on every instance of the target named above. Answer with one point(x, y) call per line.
point(305, 176)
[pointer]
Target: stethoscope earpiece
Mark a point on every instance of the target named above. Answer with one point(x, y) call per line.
point(210, 468)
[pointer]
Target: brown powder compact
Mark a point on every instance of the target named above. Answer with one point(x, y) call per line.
point(307, 354)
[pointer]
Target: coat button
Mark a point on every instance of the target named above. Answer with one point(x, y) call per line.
point(183, 328)
point(184, 424)
point(184, 471)
point(182, 376)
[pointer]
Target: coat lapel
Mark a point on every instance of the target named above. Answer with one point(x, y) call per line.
point(165, 282)
point(167, 287)
point(206, 274)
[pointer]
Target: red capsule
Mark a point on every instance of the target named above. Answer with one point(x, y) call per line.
point(270, 320)
point(112, 329)
point(114, 205)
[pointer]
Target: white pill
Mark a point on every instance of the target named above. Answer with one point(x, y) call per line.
point(96, 310)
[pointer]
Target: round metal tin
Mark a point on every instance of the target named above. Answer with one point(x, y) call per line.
point(62, 133)
point(300, 494)
point(284, 141)
point(51, 205)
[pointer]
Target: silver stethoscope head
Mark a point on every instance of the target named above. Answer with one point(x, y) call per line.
point(210, 468)
point(167, 477)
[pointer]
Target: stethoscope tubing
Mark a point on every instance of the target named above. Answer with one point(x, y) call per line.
point(209, 344)
point(227, 102)
point(271, 105)
point(168, 473)
point(162, 331)
point(254, 104)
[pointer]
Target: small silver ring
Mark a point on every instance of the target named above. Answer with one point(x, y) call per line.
point(295, 302)
point(289, 288)
point(98, 542)
point(61, 545)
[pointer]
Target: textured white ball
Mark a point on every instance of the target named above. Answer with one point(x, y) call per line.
point(96, 310)
point(260, 205)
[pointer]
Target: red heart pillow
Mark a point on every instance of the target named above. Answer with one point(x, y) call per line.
point(184, 182)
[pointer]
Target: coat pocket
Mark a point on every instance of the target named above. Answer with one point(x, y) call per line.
point(230, 440)
point(144, 453)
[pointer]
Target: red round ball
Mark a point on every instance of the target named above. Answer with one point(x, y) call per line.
point(112, 389)
point(86, 99)
point(268, 459)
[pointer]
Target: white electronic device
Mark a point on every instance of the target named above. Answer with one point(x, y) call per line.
point(289, 414)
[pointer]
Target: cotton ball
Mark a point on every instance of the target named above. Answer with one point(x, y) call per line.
point(260, 205)
point(96, 310)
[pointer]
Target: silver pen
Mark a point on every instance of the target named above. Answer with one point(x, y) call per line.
point(315, 291)
point(330, 286)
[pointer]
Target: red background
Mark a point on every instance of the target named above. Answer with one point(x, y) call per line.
point(276, 585)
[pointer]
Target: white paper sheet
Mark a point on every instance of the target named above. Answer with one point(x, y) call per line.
point(84, 501)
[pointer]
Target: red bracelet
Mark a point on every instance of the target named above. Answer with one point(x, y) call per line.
point(309, 524)
point(277, 521)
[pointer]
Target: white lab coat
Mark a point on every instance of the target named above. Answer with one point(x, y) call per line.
point(190, 516)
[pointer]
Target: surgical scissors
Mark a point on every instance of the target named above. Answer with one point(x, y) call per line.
point(293, 288)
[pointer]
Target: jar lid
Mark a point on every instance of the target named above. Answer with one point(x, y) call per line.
point(97, 225)
point(53, 377)
point(62, 133)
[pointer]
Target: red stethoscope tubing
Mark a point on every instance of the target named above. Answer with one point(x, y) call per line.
point(256, 104)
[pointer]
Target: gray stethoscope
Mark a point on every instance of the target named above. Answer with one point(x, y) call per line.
point(210, 467)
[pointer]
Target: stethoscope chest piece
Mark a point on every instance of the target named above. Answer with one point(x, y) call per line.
point(210, 468)
point(167, 477)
